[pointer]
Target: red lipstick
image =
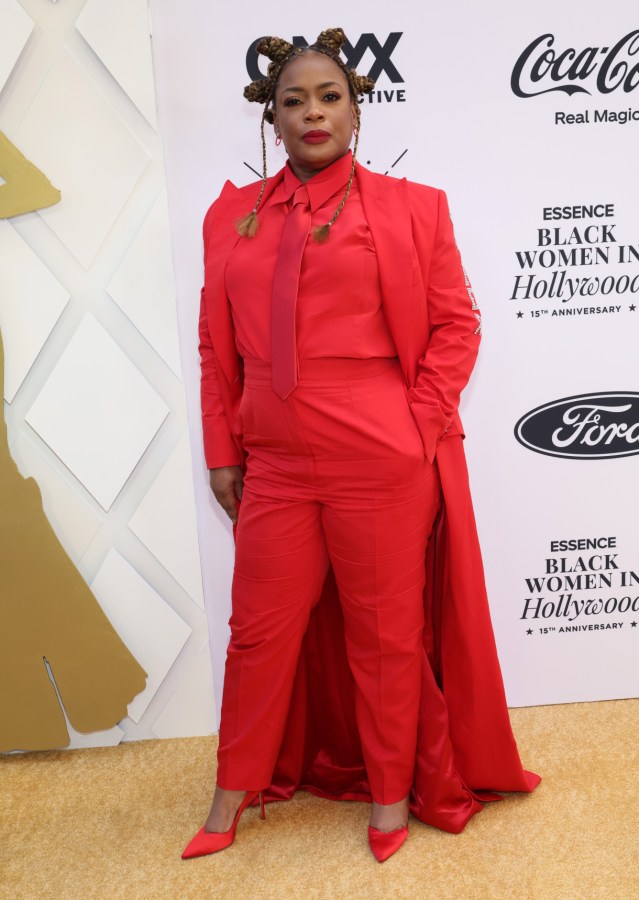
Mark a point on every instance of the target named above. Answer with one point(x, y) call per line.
point(315, 137)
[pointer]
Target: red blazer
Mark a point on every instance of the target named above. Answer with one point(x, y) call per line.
point(465, 745)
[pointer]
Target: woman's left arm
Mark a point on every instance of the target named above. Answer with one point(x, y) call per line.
point(454, 332)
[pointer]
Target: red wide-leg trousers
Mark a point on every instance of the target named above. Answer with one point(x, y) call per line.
point(336, 474)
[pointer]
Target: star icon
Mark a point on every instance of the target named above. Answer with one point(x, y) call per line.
point(632, 307)
point(529, 631)
point(633, 624)
point(520, 315)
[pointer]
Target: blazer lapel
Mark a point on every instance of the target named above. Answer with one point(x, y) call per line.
point(222, 237)
point(385, 203)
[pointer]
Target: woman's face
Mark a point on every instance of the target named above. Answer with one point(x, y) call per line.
point(314, 113)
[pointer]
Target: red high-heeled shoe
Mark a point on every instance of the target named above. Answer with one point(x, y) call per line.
point(206, 842)
point(385, 843)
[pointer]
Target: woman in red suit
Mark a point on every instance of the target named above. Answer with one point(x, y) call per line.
point(337, 331)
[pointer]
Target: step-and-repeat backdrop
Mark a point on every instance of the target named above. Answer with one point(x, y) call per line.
point(529, 119)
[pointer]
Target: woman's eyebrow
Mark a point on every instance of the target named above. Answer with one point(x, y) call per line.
point(301, 90)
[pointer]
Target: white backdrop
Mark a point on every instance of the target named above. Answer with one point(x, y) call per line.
point(507, 150)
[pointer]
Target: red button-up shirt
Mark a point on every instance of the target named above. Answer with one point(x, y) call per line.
point(339, 304)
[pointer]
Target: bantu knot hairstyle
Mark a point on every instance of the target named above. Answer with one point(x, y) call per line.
point(280, 53)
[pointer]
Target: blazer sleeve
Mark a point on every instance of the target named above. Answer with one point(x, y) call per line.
point(455, 332)
point(219, 447)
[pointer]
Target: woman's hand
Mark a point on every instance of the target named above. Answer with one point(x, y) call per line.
point(226, 484)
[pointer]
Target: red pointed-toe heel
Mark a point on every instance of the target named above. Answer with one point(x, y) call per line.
point(206, 842)
point(385, 843)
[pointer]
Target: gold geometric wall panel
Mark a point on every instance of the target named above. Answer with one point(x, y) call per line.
point(86, 116)
point(26, 188)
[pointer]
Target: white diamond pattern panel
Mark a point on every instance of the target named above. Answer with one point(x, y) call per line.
point(118, 31)
point(148, 626)
point(31, 300)
point(191, 709)
point(74, 135)
point(165, 522)
point(15, 28)
point(143, 285)
point(97, 412)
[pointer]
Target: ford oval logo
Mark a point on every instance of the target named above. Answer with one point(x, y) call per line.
point(589, 426)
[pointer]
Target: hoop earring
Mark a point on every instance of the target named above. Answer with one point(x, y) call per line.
point(278, 140)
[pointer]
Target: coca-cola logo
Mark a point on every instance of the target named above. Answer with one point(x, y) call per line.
point(542, 68)
point(589, 426)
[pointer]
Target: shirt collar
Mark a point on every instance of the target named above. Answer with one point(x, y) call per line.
point(320, 187)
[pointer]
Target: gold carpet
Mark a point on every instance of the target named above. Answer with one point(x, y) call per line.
point(111, 823)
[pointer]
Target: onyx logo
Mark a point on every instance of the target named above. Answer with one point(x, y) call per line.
point(542, 69)
point(589, 426)
point(354, 54)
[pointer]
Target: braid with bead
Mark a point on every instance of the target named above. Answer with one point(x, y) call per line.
point(281, 52)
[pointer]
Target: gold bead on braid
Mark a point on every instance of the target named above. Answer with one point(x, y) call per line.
point(248, 225)
point(281, 52)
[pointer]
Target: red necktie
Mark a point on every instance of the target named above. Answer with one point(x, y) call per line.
point(285, 287)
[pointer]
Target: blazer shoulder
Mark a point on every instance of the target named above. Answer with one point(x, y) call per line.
point(375, 180)
point(232, 200)
point(228, 194)
point(423, 191)
point(231, 191)
point(418, 193)
point(428, 205)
